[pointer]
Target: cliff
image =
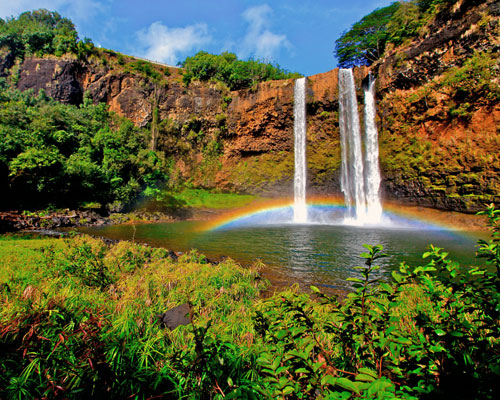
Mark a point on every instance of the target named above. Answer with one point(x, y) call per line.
point(234, 140)
point(438, 115)
point(439, 109)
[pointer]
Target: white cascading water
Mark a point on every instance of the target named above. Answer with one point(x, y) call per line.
point(360, 176)
point(299, 128)
point(351, 174)
point(372, 170)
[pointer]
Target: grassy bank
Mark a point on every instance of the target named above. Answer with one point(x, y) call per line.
point(190, 198)
point(79, 319)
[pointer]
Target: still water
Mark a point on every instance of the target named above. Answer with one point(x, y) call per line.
point(308, 254)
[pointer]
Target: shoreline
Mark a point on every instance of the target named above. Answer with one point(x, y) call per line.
point(17, 220)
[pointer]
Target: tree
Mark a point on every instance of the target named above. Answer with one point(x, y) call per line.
point(404, 23)
point(64, 155)
point(365, 42)
point(226, 67)
point(38, 32)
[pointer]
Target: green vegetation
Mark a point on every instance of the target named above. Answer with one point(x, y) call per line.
point(368, 38)
point(473, 84)
point(64, 155)
point(431, 136)
point(189, 198)
point(41, 32)
point(200, 198)
point(262, 170)
point(146, 68)
point(236, 74)
point(365, 41)
point(86, 316)
point(79, 319)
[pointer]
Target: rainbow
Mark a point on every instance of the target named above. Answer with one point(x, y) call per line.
point(257, 207)
point(418, 217)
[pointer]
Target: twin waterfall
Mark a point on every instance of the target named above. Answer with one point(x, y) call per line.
point(360, 175)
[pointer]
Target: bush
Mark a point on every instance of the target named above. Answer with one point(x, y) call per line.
point(38, 33)
point(433, 332)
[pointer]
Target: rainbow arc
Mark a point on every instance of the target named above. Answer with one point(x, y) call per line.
point(281, 211)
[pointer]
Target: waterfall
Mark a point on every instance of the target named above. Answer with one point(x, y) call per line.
point(351, 174)
point(372, 170)
point(359, 175)
point(299, 129)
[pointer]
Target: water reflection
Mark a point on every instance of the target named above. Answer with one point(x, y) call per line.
point(300, 248)
point(320, 255)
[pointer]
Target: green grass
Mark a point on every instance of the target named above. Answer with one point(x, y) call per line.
point(200, 198)
point(21, 258)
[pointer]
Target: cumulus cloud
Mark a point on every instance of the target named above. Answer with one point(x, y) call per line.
point(165, 44)
point(259, 41)
point(75, 9)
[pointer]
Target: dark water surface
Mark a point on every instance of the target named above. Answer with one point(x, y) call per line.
point(320, 255)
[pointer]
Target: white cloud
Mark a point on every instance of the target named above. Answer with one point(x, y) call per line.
point(259, 41)
point(74, 9)
point(167, 44)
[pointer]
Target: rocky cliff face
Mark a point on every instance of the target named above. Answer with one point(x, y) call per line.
point(239, 140)
point(58, 78)
point(438, 109)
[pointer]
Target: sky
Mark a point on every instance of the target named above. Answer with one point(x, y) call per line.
point(298, 35)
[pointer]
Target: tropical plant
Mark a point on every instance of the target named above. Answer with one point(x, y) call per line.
point(81, 320)
point(367, 39)
point(38, 32)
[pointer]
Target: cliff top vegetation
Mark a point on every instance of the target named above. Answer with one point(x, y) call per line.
point(236, 74)
point(368, 39)
point(41, 32)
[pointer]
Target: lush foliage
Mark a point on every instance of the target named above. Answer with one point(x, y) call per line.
point(79, 320)
point(147, 69)
point(236, 74)
point(39, 33)
point(455, 168)
point(63, 155)
point(472, 85)
point(366, 41)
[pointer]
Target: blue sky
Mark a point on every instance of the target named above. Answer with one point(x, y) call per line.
point(298, 35)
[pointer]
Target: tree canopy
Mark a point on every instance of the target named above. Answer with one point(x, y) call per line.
point(367, 39)
point(236, 74)
point(64, 155)
point(38, 32)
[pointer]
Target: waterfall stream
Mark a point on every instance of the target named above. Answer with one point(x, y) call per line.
point(359, 175)
point(299, 128)
point(372, 170)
